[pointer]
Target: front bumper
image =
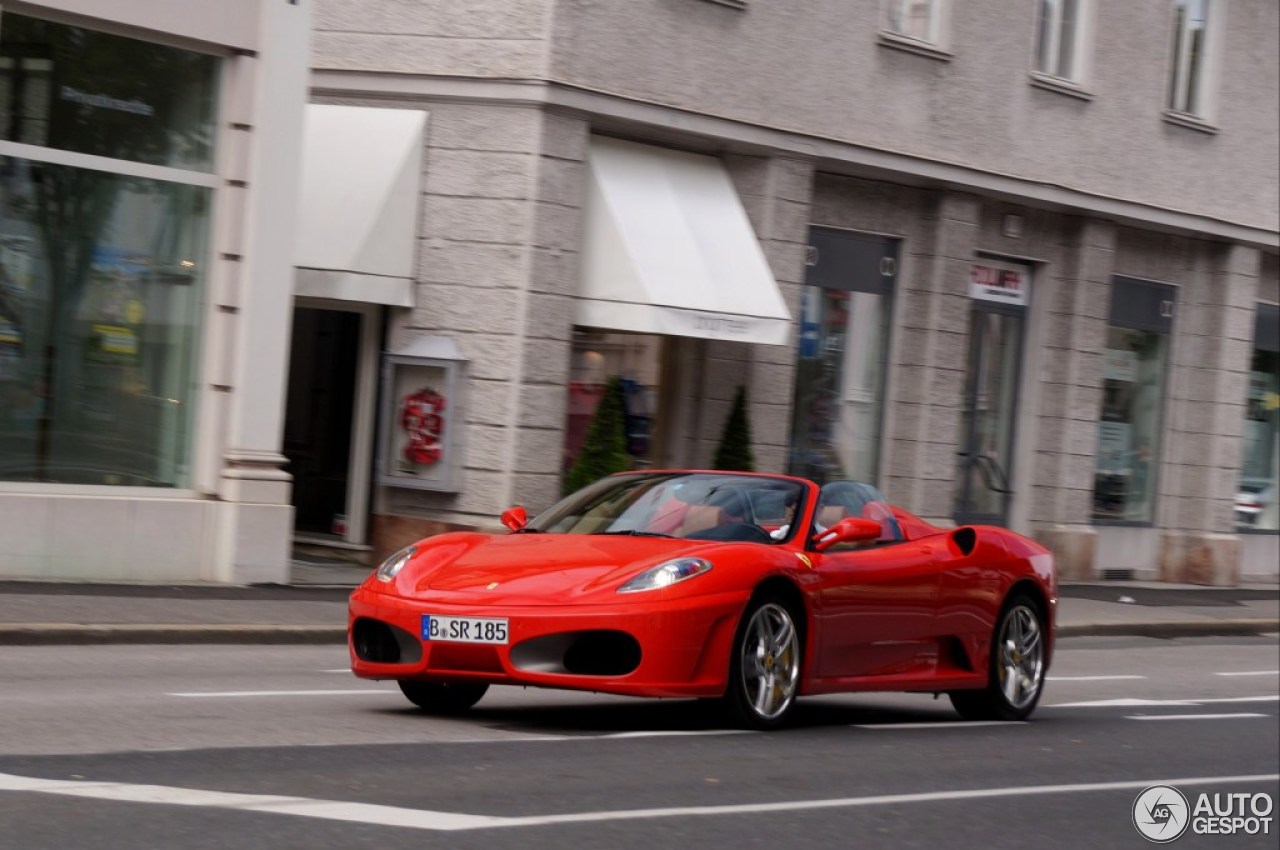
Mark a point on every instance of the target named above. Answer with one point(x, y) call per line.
point(652, 647)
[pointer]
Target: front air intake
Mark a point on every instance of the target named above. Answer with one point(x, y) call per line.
point(380, 643)
point(601, 652)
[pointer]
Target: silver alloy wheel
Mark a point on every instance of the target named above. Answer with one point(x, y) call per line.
point(1021, 656)
point(770, 661)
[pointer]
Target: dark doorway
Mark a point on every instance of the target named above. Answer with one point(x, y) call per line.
point(318, 416)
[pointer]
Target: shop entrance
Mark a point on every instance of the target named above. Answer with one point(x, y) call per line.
point(990, 402)
point(321, 423)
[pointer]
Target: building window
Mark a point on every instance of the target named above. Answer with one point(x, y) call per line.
point(102, 256)
point(1257, 507)
point(845, 312)
point(1058, 38)
point(1134, 365)
point(916, 19)
point(1189, 70)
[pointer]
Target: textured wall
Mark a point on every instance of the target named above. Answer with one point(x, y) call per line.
point(468, 38)
point(818, 69)
point(497, 268)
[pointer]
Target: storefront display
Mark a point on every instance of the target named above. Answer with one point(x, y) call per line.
point(420, 422)
point(1134, 364)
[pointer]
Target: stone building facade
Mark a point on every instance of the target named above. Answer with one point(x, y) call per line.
point(1011, 268)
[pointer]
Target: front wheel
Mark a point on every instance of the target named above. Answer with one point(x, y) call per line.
point(443, 697)
point(764, 672)
point(1016, 677)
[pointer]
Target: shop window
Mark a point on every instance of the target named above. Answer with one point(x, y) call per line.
point(1257, 508)
point(1189, 70)
point(99, 325)
point(635, 359)
point(1135, 362)
point(101, 273)
point(89, 92)
point(840, 372)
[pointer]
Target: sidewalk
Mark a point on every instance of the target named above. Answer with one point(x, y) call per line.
point(314, 608)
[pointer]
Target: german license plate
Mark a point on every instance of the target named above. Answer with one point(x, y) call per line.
point(464, 629)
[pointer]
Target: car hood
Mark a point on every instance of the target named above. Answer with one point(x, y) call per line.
point(537, 568)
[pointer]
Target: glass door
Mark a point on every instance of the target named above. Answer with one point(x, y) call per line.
point(989, 411)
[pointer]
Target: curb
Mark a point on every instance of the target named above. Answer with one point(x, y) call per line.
point(66, 634)
point(73, 634)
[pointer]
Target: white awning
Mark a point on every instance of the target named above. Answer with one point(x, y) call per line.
point(667, 249)
point(358, 219)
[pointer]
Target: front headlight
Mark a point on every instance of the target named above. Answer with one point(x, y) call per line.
point(393, 565)
point(665, 575)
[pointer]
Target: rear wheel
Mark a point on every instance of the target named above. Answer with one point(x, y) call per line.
point(764, 672)
point(1016, 677)
point(443, 697)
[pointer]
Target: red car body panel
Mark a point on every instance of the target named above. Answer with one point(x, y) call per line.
point(916, 615)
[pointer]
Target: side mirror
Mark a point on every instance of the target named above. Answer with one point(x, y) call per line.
point(515, 518)
point(848, 530)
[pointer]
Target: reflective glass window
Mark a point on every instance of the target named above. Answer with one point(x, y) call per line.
point(90, 92)
point(1129, 425)
point(1257, 507)
point(100, 291)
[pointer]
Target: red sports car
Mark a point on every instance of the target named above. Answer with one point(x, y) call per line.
point(753, 588)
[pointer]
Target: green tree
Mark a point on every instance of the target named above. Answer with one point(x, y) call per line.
point(605, 449)
point(734, 451)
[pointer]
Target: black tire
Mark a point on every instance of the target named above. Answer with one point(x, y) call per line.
point(443, 697)
point(1017, 666)
point(764, 669)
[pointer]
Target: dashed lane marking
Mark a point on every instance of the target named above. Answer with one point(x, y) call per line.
point(1090, 678)
point(1251, 673)
point(379, 815)
point(318, 693)
point(946, 724)
point(1191, 716)
point(1130, 702)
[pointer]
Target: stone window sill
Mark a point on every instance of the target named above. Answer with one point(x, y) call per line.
point(1060, 86)
point(911, 45)
point(1191, 122)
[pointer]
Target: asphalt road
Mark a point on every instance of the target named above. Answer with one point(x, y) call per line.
point(219, 747)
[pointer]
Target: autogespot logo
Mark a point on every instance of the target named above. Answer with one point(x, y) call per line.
point(1160, 813)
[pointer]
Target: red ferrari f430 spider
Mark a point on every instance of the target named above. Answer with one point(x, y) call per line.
point(750, 588)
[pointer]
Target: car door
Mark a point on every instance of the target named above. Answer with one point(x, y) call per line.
point(876, 609)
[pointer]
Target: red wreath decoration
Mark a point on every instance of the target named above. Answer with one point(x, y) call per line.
point(421, 417)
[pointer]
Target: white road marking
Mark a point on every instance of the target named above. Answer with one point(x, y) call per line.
point(1127, 702)
point(369, 813)
point(322, 693)
point(670, 734)
point(946, 724)
point(1090, 678)
point(1189, 716)
point(1252, 673)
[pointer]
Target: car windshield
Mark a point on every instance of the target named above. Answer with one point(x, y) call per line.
point(692, 505)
